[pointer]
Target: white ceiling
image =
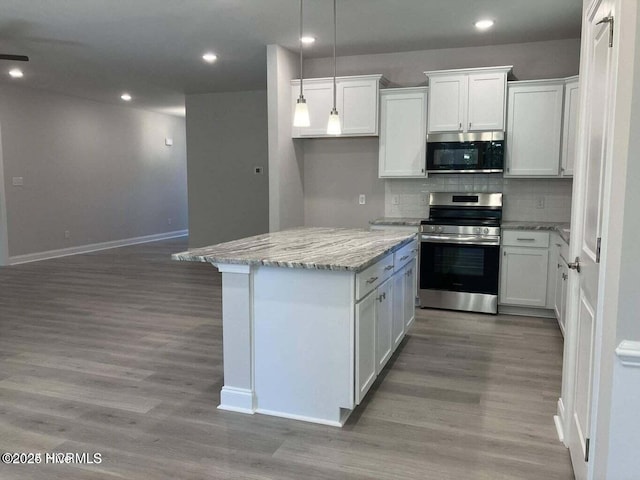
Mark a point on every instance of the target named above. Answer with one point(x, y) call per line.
point(98, 48)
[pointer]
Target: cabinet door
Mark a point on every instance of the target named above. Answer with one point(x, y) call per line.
point(398, 321)
point(403, 134)
point(562, 319)
point(557, 302)
point(365, 344)
point(358, 106)
point(448, 103)
point(534, 118)
point(486, 101)
point(384, 318)
point(319, 98)
point(523, 276)
point(570, 127)
point(409, 295)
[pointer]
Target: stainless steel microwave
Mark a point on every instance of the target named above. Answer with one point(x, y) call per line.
point(481, 152)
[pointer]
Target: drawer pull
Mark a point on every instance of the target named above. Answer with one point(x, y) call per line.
point(372, 279)
point(404, 258)
point(388, 267)
point(526, 239)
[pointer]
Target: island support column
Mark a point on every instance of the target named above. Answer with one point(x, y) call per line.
point(238, 392)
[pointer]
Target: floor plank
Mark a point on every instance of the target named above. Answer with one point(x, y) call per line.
point(120, 352)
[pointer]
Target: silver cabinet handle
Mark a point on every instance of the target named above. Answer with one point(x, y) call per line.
point(526, 239)
point(565, 276)
point(372, 279)
point(460, 126)
point(469, 125)
point(388, 267)
point(404, 258)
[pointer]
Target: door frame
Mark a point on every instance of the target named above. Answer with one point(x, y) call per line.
point(619, 129)
point(4, 235)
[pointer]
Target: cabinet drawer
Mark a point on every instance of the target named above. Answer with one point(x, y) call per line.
point(404, 255)
point(373, 276)
point(525, 238)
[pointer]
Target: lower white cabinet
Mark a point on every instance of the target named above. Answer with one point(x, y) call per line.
point(524, 268)
point(562, 276)
point(382, 318)
point(365, 344)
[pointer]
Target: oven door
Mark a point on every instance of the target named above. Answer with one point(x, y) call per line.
point(460, 264)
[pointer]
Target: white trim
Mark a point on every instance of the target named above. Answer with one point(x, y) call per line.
point(296, 81)
point(233, 268)
point(456, 71)
point(94, 247)
point(544, 81)
point(526, 311)
point(628, 353)
point(559, 429)
point(321, 421)
point(233, 399)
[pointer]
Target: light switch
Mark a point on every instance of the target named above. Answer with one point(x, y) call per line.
point(395, 200)
point(362, 199)
point(18, 181)
point(168, 141)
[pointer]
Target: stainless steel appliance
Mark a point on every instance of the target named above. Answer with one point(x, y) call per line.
point(460, 252)
point(481, 152)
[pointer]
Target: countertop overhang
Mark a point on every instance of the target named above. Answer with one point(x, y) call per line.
point(340, 249)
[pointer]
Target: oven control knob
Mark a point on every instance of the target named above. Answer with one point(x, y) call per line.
point(439, 230)
point(486, 231)
point(477, 230)
point(432, 228)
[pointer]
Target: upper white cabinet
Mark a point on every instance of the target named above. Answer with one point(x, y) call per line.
point(570, 126)
point(534, 128)
point(403, 132)
point(468, 100)
point(356, 99)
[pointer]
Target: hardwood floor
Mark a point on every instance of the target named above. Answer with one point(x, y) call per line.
point(120, 352)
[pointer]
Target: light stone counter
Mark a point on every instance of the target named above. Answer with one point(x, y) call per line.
point(397, 221)
point(309, 248)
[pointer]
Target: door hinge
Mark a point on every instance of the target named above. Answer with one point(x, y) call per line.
point(610, 21)
point(598, 248)
point(586, 449)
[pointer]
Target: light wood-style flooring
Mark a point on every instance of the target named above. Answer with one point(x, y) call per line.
point(120, 352)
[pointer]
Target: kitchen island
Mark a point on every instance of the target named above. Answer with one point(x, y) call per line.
point(310, 317)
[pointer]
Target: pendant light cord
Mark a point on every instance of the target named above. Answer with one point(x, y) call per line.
point(301, 49)
point(334, 55)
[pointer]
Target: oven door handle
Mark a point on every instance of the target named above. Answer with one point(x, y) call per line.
point(460, 239)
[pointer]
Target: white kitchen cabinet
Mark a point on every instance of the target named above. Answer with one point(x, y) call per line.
point(561, 274)
point(384, 324)
point(570, 126)
point(399, 305)
point(534, 128)
point(365, 350)
point(523, 276)
point(410, 285)
point(403, 132)
point(357, 100)
point(467, 100)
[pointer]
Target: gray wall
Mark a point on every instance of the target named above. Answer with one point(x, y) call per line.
point(100, 171)
point(226, 139)
point(335, 171)
point(286, 165)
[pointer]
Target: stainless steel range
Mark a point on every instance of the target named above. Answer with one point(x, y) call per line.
point(460, 252)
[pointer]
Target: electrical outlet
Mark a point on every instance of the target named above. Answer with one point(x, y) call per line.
point(257, 170)
point(17, 181)
point(362, 199)
point(67, 234)
point(540, 202)
point(395, 199)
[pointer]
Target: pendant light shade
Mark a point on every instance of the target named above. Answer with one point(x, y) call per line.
point(333, 126)
point(301, 115)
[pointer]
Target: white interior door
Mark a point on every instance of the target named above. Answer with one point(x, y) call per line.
point(4, 238)
point(597, 85)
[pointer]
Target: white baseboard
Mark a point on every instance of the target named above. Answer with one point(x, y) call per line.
point(94, 247)
point(304, 418)
point(526, 311)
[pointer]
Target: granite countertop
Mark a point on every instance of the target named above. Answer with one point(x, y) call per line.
point(398, 221)
point(562, 228)
point(311, 248)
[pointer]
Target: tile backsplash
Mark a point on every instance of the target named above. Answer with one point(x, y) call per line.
point(546, 200)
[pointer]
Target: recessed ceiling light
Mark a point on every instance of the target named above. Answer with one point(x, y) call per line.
point(16, 73)
point(209, 57)
point(126, 97)
point(484, 24)
point(308, 39)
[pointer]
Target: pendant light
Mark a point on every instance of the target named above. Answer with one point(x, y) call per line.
point(301, 115)
point(334, 127)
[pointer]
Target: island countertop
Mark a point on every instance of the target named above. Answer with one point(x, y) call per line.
point(310, 248)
